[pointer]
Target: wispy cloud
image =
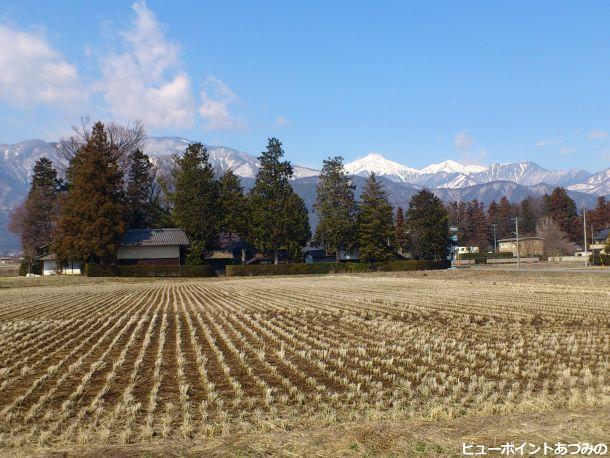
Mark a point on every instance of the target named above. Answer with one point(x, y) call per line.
point(281, 121)
point(597, 134)
point(546, 142)
point(463, 141)
point(145, 80)
point(216, 97)
point(566, 150)
point(33, 73)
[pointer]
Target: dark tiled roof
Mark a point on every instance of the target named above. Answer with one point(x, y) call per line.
point(47, 257)
point(154, 237)
point(603, 234)
point(521, 239)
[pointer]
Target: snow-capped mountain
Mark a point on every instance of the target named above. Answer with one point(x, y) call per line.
point(598, 184)
point(453, 167)
point(380, 166)
point(529, 173)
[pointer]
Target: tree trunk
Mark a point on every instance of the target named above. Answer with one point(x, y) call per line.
point(276, 258)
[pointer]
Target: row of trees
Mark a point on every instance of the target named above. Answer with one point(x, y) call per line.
point(370, 224)
point(111, 186)
point(553, 216)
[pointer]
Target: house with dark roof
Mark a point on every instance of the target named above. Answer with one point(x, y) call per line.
point(159, 247)
point(599, 241)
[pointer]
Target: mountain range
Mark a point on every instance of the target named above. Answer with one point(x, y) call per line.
point(450, 180)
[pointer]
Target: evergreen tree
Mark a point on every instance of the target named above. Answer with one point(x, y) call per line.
point(429, 226)
point(35, 219)
point(196, 202)
point(478, 230)
point(401, 236)
point(599, 218)
point(375, 218)
point(506, 212)
point(563, 211)
point(529, 213)
point(336, 207)
point(143, 208)
point(92, 215)
point(233, 206)
point(278, 216)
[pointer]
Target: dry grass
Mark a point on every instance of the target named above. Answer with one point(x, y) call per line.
point(236, 363)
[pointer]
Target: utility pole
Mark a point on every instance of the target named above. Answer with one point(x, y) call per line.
point(584, 223)
point(517, 234)
point(494, 226)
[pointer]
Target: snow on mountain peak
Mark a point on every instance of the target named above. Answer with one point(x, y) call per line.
point(450, 166)
point(379, 165)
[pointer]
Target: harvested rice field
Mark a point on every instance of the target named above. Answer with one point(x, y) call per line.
point(93, 367)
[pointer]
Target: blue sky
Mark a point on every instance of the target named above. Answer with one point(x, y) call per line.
point(418, 82)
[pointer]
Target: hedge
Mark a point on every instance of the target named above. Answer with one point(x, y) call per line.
point(24, 268)
point(600, 259)
point(333, 267)
point(95, 270)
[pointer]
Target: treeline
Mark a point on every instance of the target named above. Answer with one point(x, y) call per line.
point(554, 217)
point(111, 186)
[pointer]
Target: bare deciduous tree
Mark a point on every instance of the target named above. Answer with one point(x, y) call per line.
point(556, 241)
point(123, 138)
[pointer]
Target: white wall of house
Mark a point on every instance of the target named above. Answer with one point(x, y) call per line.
point(49, 267)
point(71, 268)
point(148, 252)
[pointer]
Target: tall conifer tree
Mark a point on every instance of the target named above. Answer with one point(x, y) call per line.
point(92, 214)
point(36, 218)
point(143, 209)
point(233, 206)
point(401, 237)
point(278, 216)
point(375, 222)
point(336, 207)
point(196, 201)
point(429, 226)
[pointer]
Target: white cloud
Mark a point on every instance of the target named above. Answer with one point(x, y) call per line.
point(463, 141)
point(216, 97)
point(605, 155)
point(281, 121)
point(146, 81)
point(33, 73)
point(597, 134)
point(546, 142)
point(566, 150)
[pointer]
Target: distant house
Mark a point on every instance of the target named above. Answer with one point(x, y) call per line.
point(51, 267)
point(263, 258)
point(220, 259)
point(599, 241)
point(313, 255)
point(161, 247)
point(466, 249)
point(528, 246)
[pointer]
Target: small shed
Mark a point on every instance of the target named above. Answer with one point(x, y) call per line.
point(50, 266)
point(316, 255)
point(160, 247)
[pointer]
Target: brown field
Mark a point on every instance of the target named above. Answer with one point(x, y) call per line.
point(398, 364)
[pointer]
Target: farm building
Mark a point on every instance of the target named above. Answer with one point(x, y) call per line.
point(528, 246)
point(50, 267)
point(599, 240)
point(159, 247)
point(313, 255)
